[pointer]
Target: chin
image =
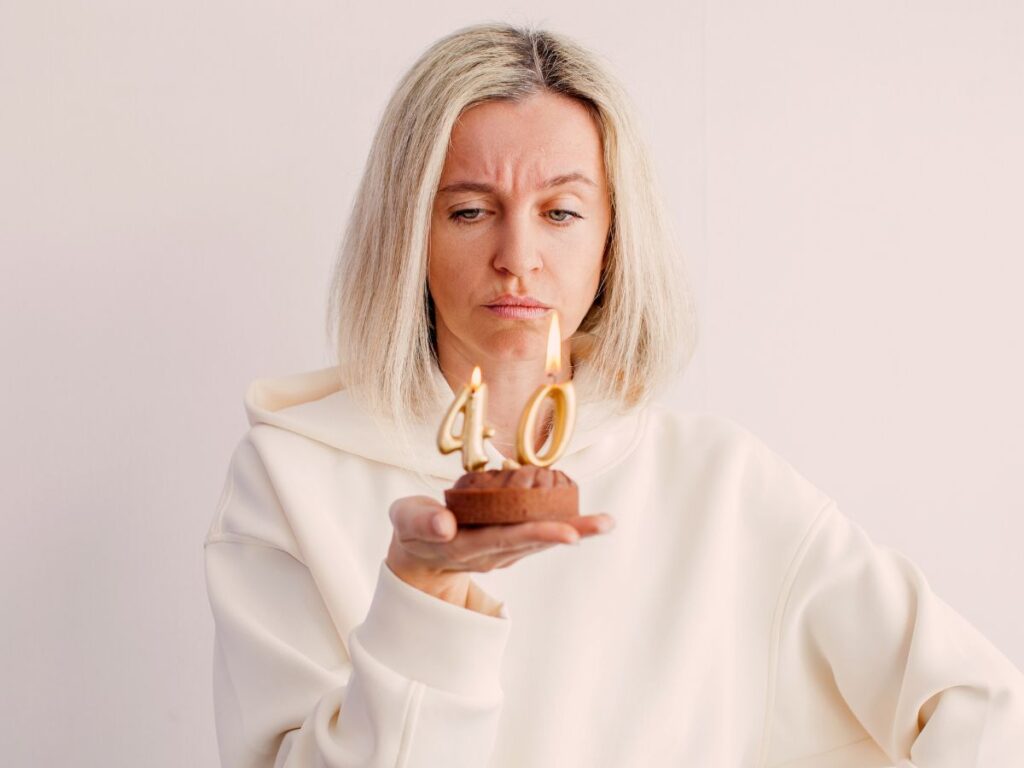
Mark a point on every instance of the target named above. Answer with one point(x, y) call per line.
point(519, 342)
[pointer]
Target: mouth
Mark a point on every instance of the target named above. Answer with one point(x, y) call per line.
point(517, 307)
point(515, 311)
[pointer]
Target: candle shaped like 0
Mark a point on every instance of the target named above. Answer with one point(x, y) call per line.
point(472, 402)
point(563, 396)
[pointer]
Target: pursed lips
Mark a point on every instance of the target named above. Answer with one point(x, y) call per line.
point(517, 307)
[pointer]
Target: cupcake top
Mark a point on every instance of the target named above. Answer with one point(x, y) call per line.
point(527, 476)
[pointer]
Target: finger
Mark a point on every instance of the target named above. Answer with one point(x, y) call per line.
point(400, 509)
point(590, 525)
point(506, 561)
point(471, 548)
point(471, 543)
point(440, 525)
point(506, 557)
point(495, 539)
point(423, 518)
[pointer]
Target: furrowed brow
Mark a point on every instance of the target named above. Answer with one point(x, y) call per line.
point(479, 186)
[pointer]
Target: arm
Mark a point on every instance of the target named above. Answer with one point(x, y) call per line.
point(873, 668)
point(416, 685)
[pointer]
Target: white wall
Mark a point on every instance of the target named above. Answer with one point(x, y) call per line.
point(175, 176)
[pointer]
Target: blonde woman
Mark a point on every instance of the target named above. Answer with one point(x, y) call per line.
point(711, 608)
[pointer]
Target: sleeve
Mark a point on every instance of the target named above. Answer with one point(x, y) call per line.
point(874, 669)
point(417, 685)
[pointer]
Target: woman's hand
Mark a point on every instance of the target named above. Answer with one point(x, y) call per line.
point(429, 552)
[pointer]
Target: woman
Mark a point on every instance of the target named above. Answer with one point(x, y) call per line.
point(722, 612)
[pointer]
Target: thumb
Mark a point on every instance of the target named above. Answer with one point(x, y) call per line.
point(423, 518)
point(439, 524)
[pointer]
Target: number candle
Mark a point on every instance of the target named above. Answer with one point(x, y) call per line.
point(563, 396)
point(471, 401)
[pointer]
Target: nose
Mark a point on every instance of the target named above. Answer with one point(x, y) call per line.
point(517, 248)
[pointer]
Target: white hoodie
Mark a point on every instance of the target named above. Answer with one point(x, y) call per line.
point(734, 617)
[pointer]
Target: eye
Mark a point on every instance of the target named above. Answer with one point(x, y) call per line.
point(564, 216)
point(469, 215)
point(459, 218)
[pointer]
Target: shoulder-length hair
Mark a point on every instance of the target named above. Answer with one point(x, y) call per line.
point(642, 326)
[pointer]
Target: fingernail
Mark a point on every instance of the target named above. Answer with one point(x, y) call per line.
point(440, 525)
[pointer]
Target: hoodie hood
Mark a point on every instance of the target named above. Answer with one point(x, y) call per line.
point(316, 405)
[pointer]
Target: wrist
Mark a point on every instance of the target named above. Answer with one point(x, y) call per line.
point(450, 586)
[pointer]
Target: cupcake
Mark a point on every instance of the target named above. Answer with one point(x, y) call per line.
point(513, 495)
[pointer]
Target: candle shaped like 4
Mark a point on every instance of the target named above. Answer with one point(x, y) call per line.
point(563, 397)
point(471, 401)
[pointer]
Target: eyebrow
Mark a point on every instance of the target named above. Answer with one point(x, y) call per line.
point(554, 181)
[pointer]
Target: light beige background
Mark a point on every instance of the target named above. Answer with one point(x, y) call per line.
point(846, 178)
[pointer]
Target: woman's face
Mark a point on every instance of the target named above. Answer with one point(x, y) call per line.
point(522, 211)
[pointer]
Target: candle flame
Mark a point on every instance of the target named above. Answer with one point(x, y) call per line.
point(474, 380)
point(553, 363)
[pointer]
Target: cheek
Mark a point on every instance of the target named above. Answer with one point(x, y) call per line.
point(583, 279)
point(587, 268)
point(438, 282)
point(447, 274)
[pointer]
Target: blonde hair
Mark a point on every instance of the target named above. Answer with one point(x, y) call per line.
point(642, 325)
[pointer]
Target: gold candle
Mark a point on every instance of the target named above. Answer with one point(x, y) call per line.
point(563, 396)
point(471, 401)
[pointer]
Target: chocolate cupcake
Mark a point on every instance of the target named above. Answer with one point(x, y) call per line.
point(522, 494)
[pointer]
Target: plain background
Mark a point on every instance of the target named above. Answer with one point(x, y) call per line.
point(845, 179)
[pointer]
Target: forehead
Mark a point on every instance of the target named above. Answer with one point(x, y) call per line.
point(523, 143)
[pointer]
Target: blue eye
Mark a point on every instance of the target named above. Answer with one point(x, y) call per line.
point(458, 218)
point(565, 219)
point(561, 216)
